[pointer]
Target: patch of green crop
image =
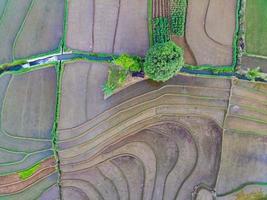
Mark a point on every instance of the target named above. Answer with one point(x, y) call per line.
point(161, 30)
point(25, 174)
point(213, 69)
point(256, 27)
point(178, 16)
point(116, 78)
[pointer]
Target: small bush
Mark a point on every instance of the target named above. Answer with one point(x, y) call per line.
point(127, 62)
point(163, 61)
point(255, 73)
point(116, 78)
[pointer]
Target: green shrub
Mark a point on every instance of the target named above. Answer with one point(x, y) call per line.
point(116, 78)
point(161, 30)
point(178, 16)
point(255, 73)
point(23, 175)
point(163, 61)
point(127, 62)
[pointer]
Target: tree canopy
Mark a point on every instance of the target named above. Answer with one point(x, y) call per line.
point(163, 61)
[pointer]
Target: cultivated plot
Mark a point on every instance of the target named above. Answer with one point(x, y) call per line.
point(210, 27)
point(244, 145)
point(256, 29)
point(115, 152)
point(27, 104)
point(108, 26)
point(29, 28)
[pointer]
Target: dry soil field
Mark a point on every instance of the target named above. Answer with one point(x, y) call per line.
point(108, 26)
point(27, 107)
point(137, 143)
point(29, 28)
point(210, 29)
point(114, 143)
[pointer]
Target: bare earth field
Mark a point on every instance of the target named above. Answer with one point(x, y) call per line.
point(245, 142)
point(120, 143)
point(138, 142)
point(13, 11)
point(27, 104)
point(108, 26)
point(29, 28)
point(210, 29)
point(42, 29)
point(253, 62)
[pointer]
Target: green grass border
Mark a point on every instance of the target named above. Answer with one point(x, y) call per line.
point(59, 73)
point(65, 28)
point(150, 21)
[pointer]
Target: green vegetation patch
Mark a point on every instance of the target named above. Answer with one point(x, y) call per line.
point(251, 196)
point(256, 27)
point(254, 74)
point(163, 61)
point(127, 62)
point(116, 78)
point(213, 69)
point(161, 30)
point(178, 16)
point(23, 175)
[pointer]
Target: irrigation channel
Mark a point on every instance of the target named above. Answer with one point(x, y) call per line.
point(96, 58)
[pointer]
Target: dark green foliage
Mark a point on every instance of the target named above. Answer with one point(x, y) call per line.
point(178, 16)
point(116, 78)
point(129, 63)
point(161, 30)
point(163, 61)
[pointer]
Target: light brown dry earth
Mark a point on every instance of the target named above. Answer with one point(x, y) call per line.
point(108, 26)
point(210, 30)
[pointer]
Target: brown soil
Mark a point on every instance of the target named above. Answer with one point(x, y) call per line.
point(253, 62)
point(188, 54)
point(160, 8)
point(12, 183)
point(202, 39)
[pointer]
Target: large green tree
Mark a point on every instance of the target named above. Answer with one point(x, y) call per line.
point(163, 61)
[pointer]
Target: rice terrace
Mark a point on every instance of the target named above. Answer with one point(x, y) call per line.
point(133, 99)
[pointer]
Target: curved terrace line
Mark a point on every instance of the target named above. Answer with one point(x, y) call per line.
point(157, 91)
point(38, 181)
point(158, 105)
point(205, 28)
point(25, 157)
point(4, 11)
point(241, 187)
point(21, 28)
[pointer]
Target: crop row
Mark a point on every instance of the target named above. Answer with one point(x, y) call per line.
point(178, 16)
point(161, 30)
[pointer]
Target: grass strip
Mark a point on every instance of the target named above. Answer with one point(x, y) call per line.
point(59, 72)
